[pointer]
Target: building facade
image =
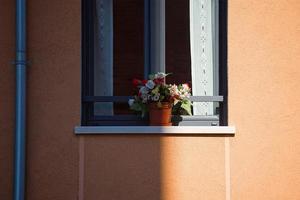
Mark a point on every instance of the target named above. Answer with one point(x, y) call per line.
point(261, 161)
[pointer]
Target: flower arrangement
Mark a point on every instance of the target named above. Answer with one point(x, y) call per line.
point(155, 90)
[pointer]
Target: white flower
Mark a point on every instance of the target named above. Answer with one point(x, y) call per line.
point(160, 75)
point(186, 86)
point(184, 91)
point(173, 90)
point(187, 94)
point(130, 102)
point(181, 96)
point(155, 97)
point(144, 90)
point(145, 98)
point(150, 84)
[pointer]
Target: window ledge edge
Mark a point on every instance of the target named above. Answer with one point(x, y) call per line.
point(163, 130)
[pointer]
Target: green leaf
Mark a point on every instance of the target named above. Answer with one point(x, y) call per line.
point(159, 104)
point(187, 106)
point(136, 107)
point(139, 107)
point(155, 90)
point(151, 76)
point(176, 101)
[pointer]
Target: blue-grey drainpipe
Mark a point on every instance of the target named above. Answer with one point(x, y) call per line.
point(20, 111)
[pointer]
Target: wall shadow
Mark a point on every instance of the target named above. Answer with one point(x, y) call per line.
point(152, 167)
point(7, 91)
point(122, 167)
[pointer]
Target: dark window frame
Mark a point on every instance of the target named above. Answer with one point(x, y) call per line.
point(87, 116)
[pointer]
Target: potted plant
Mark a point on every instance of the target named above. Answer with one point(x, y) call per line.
point(160, 99)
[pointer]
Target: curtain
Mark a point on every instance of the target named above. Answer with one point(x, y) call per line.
point(157, 36)
point(201, 39)
point(103, 55)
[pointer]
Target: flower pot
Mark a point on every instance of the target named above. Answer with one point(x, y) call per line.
point(160, 116)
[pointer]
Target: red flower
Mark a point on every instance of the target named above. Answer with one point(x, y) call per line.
point(136, 82)
point(144, 81)
point(159, 80)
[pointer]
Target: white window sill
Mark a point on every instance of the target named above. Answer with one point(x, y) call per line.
point(189, 130)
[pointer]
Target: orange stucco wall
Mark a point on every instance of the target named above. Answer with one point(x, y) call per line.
point(7, 95)
point(264, 77)
point(260, 162)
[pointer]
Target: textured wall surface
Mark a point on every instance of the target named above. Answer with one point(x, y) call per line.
point(7, 47)
point(264, 54)
point(53, 99)
point(264, 93)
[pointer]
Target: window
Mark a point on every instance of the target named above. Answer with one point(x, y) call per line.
point(125, 39)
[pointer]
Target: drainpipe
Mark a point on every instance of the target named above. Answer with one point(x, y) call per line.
point(20, 63)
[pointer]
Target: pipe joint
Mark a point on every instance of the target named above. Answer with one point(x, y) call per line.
point(20, 62)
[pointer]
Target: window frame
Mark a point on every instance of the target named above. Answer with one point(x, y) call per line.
point(87, 117)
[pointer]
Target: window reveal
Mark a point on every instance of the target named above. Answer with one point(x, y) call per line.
point(120, 49)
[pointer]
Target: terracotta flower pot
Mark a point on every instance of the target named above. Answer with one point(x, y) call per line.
point(160, 116)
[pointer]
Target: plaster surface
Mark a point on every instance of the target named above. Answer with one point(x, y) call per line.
point(7, 88)
point(263, 62)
